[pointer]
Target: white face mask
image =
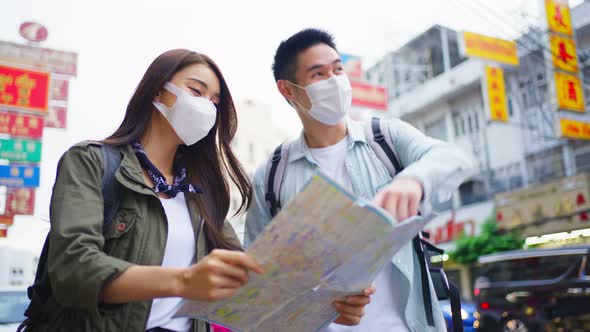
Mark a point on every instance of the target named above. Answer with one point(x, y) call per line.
point(191, 117)
point(330, 99)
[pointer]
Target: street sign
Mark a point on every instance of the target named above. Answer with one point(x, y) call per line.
point(22, 89)
point(20, 125)
point(33, 32)
point(496, 94)
point(19, 176)
point(569, 92)
point(43, 59)
point(369, 95)
point(570, 128)
point(20, 201)
point(558, 16)
point(20, 150)
point(563, 50)
point(489, 48)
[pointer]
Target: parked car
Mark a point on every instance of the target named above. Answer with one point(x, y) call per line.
point(468, 313)
point(534, 290)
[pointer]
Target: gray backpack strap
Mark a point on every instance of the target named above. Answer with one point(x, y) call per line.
point(111, 190)
point(274, 178)
point(380, 140)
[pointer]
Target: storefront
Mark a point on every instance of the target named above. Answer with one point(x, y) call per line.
point(553, 214)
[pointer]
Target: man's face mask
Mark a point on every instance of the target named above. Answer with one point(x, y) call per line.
point(330, 99)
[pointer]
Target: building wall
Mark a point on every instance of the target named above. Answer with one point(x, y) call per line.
point(17, 267)
point(255, 140)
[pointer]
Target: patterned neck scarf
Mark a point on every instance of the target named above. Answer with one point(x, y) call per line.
point(181, 183)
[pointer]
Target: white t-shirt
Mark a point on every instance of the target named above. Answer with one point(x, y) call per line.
point(180, 252)
point(332, 161)
point(381, 314)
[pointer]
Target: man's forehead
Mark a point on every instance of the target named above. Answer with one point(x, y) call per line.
point(317, 56)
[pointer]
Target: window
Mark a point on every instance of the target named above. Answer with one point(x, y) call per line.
point(472, 192)
point(436, 129)
point(476, 120)
point(470, 124)
point(510, 107)
point(462, 126)
point(531, 268)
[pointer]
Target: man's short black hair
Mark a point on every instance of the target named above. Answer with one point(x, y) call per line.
point(285, 62)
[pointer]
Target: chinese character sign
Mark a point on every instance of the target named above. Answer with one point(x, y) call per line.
point(496, 92)
point(569, 92)
point(19, 176)
point(563, 50)
point(20, 125)
point(574, 129)
point(20, 201)
point(558, 16)
point(24, 89)
point(20, 150)
point(498, 50)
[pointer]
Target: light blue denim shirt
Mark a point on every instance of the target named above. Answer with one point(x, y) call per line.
point(435, 164)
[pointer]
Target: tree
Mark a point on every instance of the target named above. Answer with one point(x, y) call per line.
point(491, 240)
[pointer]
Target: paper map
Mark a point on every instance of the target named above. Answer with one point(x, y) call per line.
point(324, 245)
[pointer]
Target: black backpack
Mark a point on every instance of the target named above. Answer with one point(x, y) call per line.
point(382, 145)
point(41, 291)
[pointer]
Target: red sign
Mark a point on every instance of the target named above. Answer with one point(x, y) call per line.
point(369, 95)
point(59, 89)
point(6, 220)
point(56, 117)
point(33, 31)
point(3, 232)
point(24, 89)
point(20, 125)
point(20, 201)
point(452, 229)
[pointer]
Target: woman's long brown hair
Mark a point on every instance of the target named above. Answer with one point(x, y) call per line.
point(210, 162)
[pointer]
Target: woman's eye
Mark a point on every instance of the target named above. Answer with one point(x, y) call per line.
point(195, 91)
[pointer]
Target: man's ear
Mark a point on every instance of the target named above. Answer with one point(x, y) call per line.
point(286, 89)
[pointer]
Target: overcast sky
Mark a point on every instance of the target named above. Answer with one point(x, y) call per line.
point(116, 41)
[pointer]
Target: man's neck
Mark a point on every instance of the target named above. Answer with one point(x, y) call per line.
point(318, 135)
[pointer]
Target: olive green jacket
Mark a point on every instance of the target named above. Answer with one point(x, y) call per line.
point(82, 260)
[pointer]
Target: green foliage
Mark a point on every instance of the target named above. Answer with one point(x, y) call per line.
point(491, 240)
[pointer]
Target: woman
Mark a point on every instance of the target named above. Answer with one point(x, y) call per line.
point(174, 196)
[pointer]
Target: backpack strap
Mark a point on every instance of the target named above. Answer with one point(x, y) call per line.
point(111, 188)
point(274, 178)
point(382, 144)
point(455, 307)
point(426, 296)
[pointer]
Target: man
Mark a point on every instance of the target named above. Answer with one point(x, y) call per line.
point(310, 75)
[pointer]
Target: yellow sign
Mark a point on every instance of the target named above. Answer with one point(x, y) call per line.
point(574, 129)
point(563, 50)
point(499, 50)
point(569, 92)
point(558, 16)
point(496, 94)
